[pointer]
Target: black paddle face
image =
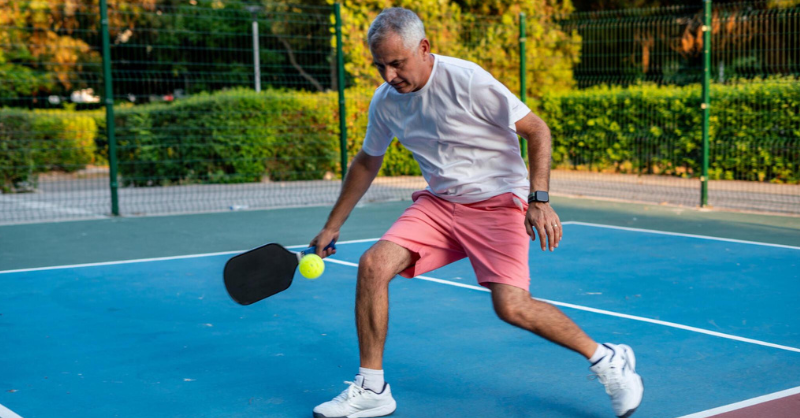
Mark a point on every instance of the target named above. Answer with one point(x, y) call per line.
point(259, 273)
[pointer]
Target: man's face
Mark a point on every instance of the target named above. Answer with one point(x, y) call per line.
point(406, 69)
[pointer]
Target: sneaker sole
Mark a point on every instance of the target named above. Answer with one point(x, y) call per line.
point(382, 411)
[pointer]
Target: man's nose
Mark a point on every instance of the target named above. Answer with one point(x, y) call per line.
point(391, 74)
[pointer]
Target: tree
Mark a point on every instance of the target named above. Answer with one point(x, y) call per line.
point(484, 32)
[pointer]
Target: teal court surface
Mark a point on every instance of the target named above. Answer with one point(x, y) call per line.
point(140, 324)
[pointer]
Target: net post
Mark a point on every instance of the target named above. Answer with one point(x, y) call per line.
point(256, 57)
point(108, 93)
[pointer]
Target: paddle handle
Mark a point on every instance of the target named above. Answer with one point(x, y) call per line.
point(313, 250)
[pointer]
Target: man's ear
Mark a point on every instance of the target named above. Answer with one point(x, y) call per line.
point(425, 47)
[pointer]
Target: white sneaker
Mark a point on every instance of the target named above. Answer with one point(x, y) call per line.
point(617, 372)
point(358, 402)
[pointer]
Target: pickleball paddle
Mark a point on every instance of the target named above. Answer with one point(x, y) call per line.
point(262, 272)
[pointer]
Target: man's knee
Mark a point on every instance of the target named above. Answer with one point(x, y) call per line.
point(511, 305)
point(369, 265)
point(509, 311)
point(382, 262)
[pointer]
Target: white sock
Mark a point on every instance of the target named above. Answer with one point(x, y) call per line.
point(370, 379)
point(599, 353)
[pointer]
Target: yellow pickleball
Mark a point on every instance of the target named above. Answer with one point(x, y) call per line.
point(311, 266)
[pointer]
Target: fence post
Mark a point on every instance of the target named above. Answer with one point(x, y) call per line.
point(706, 98)
point(108, 94)
point(256, 49)
point(523, 144)
point(340, 84)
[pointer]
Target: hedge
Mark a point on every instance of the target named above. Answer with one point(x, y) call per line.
point(33, 142)
point(242, 136)
point(229, 137)
point(649, 129)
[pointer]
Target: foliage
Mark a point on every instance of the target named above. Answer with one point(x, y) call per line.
point(242, 136)
point(50, 46)
point(33, 142)
point(651, 129)
point(230, 137)
point(17, 165)
point(204, 45)
point(492, 40)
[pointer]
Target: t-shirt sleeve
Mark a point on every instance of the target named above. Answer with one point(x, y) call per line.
point(378, 136)
point(493, 102)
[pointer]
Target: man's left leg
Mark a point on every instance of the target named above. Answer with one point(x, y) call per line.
point(515, 306)
point(615, 365)
point(493, 236)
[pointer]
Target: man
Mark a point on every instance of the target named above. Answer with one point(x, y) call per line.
point(461, 125)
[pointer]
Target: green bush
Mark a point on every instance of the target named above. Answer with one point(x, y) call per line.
point(17, 159)
point(242, 136)
point(33, 142)
point(649, 129)
point(229, 137)
point(65, 138)
point(755, 131)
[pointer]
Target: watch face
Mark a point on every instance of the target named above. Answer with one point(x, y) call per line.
point(538, 196)
point(542, 197)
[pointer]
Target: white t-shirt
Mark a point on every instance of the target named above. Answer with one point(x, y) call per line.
point(459, 128)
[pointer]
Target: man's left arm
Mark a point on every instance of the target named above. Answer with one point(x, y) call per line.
point(541, 216)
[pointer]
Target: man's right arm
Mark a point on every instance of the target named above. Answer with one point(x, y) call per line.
point(360, 175)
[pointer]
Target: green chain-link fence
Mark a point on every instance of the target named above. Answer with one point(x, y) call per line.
point(631, 128)
point(634, 128)
point(222, 105)
point(50, 76)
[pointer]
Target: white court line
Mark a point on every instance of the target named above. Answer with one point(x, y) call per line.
point(604, 312)
point(744, 404)
point(146, 260)
point(143, 260)
point(7, 413)
point(678, 234)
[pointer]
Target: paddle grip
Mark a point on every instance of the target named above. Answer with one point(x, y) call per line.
point(313, 250)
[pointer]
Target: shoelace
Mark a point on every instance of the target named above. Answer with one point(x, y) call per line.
point(352, 391)
point(611, 379)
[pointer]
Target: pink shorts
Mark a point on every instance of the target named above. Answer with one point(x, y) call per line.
point(491, 233)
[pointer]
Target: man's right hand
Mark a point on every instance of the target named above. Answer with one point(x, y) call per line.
point(323, 239)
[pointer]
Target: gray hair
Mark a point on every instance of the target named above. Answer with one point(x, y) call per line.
point(400, 21)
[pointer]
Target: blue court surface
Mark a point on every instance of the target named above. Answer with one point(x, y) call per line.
point(713, 322)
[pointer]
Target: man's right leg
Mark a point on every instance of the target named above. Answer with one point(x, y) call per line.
point(377, 267)
point(419, 241)
point(369, 396)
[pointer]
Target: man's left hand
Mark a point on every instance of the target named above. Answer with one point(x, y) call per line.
point(542, 218)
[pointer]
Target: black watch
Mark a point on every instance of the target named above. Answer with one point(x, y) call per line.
point(538, 196)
